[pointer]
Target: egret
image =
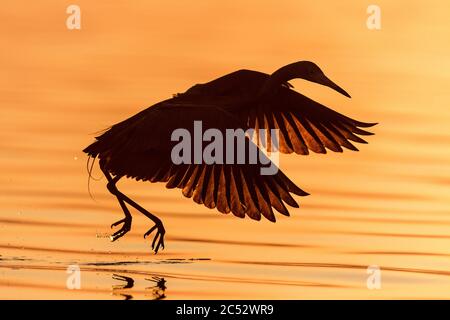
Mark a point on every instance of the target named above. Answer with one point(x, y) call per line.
point(140, 146)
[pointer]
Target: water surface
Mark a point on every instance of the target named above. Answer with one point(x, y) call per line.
point(387, 205)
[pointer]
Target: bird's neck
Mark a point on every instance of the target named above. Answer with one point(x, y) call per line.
point(278, 78)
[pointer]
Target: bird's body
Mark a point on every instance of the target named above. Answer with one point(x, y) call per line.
point(140, 146)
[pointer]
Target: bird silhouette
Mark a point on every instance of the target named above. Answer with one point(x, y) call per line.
point(140, 146)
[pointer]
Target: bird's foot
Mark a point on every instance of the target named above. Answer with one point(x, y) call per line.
point(158, 240)
point(122, 231)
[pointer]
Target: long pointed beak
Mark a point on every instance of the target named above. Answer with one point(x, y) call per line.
point(327, 82)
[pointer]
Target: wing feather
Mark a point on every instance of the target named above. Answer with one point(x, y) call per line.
point(304, 124)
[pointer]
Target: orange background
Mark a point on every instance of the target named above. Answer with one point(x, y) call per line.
point(387, 205)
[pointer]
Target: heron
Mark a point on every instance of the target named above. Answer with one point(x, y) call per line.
point(140, 146)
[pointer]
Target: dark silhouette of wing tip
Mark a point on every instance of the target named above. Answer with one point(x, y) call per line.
point(352, 147)
point(366, 124)
point(299, 192)
point(256, 217)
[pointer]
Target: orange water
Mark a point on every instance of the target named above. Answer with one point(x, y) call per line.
point(387, 205)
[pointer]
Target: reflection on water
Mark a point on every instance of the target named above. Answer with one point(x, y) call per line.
point(157, 292)
point(129, 283)
point(387, 205)
point(159, 289)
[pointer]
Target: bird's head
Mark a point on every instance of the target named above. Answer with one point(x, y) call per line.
point(306, 70)
point(310, 71)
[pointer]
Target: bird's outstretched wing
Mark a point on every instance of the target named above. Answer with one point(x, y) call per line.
point(141, 149)
point(303, 123)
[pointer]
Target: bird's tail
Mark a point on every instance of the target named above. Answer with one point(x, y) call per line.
point(92, 150)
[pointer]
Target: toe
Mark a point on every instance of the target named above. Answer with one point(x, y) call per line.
point(117, 223)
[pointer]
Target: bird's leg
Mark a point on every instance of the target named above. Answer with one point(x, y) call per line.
point(158, 240)
point(127, 220)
